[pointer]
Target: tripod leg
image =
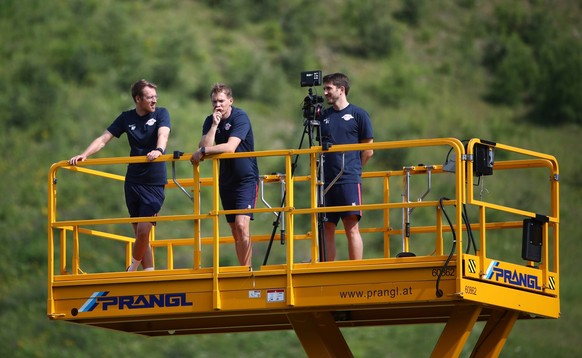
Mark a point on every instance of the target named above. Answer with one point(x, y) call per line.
point(306, 130)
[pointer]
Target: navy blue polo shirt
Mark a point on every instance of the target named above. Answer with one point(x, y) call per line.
point(348, 126)
point(235, 171)
point(142, 134)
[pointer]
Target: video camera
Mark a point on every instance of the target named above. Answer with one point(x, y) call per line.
point(312, 104)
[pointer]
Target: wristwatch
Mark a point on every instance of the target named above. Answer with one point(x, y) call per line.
point(203, 150)
point(159, 149)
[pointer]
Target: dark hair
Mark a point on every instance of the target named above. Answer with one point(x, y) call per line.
point(221, 87)
point(338, 80)
point(137, 88)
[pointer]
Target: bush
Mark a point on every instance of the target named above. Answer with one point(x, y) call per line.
point(558, 96)
point(371, 34)
point(411, 12)
point(299, 27)
point(535, 60)
point(515, 71)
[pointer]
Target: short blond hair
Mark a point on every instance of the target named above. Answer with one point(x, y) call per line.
point(221, 87)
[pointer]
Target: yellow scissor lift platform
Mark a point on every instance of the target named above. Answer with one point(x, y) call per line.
point(463, 259)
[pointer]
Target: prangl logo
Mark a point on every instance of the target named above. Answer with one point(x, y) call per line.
point(132, 302)
point(512, 277)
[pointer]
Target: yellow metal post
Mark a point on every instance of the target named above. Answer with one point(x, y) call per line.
point(75, 264)
point(386, 216)
point(482, 235)
point(495, 333)
point(314, 185)
point(63, 241)
point(456, 332)
point(289, 203)
point(196, 207)
point(319, 334)
point(51, 217)
point(215, 236)
point(439, 246)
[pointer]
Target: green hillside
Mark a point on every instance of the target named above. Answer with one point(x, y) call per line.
point(505, 71)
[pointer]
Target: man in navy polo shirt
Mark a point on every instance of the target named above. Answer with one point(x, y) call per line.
point(148, 129)
point(344, 123)
point(230, 128)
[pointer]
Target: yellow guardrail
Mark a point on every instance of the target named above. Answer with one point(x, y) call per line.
point(300, 201)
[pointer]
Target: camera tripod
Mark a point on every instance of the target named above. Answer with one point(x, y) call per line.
point(311, 129)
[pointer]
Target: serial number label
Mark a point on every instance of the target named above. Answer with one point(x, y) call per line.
point(471, 290)
point(447, 272)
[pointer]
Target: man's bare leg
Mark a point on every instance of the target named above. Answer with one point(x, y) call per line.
point(242, 237)
point(355, 244)
point(142, 252)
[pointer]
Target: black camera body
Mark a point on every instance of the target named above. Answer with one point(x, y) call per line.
point(312, 106)
point(311, 78)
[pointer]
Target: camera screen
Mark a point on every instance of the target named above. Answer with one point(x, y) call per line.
point(310, 78)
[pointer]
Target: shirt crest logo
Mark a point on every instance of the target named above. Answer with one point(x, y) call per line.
point(347, 117)
point(132, 127)
point(151, 122)
point(227, 126)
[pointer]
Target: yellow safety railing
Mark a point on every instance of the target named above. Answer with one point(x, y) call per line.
point(534, 160)
point(296, 205)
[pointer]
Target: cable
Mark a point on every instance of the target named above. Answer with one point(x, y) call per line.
point(464, 141)
point(439, 292)
point(469, 232)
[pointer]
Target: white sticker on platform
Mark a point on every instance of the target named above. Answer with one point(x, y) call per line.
point(275, 295)
point(255, 294)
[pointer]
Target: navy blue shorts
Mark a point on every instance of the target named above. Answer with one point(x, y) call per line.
point(340, 195)
point(243, 196)
point(144, 200)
